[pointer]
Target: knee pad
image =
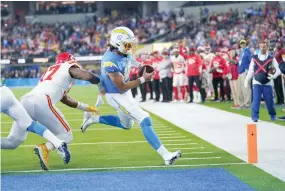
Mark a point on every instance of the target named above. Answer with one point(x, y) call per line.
point(66, 137)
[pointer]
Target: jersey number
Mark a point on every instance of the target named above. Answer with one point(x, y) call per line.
point(49, 73)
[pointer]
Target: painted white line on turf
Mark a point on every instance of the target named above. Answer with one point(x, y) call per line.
point(177, 140)
point(197, 153)
point(98, 143)
point(125, 167)
point(199, 158)
point(90, 129)
point(168, 134)
point(193, 148)
point(174, 137)
point(182, 144)
point(76, 120)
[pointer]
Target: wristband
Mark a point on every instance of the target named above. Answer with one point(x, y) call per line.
point(142, 79)
point(82, 106)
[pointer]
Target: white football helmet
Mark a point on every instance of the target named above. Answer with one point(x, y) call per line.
point(123, 39)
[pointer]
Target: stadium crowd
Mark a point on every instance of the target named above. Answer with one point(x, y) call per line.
point(87, 37)
point(229, 39)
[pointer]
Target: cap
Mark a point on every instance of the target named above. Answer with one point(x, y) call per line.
point(192, 49)
point(242, 41)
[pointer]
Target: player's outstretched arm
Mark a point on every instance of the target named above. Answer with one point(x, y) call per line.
point(81, 74)
point(69, 101)
point(122, 86)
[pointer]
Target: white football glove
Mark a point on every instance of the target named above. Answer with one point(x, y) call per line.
point(270, 77)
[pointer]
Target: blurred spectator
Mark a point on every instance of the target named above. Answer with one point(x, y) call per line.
point(88, 37)
point(244, 61)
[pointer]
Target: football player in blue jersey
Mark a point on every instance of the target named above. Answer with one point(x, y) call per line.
point(115, 69)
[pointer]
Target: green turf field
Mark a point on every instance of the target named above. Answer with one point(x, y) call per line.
point(106, 147)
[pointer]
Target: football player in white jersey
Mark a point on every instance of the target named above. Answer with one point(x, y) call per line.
point(178, 62)
point(115, 67)
point(208, 57)
point(53, 87)
point(23, 124)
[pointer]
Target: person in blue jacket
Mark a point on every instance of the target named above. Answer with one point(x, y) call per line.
point(244, 93)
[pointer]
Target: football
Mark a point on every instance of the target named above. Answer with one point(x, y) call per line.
point(272, 70)
point(148, 68)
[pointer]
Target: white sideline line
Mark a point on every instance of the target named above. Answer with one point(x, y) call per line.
point(193, 148)
point(125, 167)
point(98, 143)
point(182, 144)
point(197, 153)
point(170, 137)
point(200, 158)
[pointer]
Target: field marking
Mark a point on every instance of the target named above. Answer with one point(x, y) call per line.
point(125, 167)
point(90, 129)
point(200, 158)
point(81, 119)
point(197, 153)
point(168, 133)
point(193, 148)
point(96, 143)
point(125, 142)
point(174, 137)
point(181, 144)
point(178, 140)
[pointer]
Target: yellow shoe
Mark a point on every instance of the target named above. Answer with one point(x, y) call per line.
point(283, 110)
point(42, 152)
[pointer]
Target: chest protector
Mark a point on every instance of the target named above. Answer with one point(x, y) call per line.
point(261, 69)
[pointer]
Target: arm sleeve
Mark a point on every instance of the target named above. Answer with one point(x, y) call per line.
point(181, 52)
point(110, 67)
point(250, 71)
point(225, 72)
point(276, 66)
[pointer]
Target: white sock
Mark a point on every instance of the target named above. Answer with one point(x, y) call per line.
point(50, 146)
point(52, 138)
point(163, 152)
point(95, 119)
point(99, 101)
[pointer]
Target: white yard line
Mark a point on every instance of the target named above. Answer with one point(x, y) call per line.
point(90, 129)
point(228, 131)
point(124, 167)
point(98, 143)
point(126, 142)
point(164, 131)
point(172, 137)
point(199, 158)
point(177, 140)
point(197, 153)
point(174, 134)
point(193, 148)
point(181, 144)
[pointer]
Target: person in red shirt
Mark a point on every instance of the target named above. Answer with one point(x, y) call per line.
point(134, 76)
point(280, 58)
point(233, 77)
point(146, 60)
point(193, 71)
point(156, 79)
point(219, 69)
